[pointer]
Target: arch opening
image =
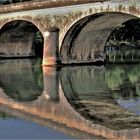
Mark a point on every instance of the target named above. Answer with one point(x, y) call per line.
point(123, 44)
point(86, 39)
point(21, 39)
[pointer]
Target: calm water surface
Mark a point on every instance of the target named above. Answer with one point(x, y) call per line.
point(94, 102)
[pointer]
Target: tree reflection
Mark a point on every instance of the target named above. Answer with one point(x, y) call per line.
point(114, 77)
point(119, 81)
point(21, 80)
point(123, 81)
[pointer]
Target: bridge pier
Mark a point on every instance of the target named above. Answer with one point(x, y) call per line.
point(51, 47)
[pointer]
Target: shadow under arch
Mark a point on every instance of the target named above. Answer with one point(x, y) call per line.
point(21, 38)
point(85, 40)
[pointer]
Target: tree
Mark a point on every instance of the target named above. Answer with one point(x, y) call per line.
point(4, 2)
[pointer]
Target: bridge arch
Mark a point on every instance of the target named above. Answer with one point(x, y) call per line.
point(29, 19)
point(22, 37)
point(86, 39)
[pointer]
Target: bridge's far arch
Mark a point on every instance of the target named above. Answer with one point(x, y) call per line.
point(123, 43)
point(21, 38)
point(86, 39)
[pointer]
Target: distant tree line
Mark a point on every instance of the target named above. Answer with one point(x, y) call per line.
point(123, 44)
point(4, 2)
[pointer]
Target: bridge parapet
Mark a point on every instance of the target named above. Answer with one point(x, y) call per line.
point(41, 4)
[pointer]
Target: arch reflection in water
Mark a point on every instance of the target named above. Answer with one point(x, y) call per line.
point(91, 105)
point(21, 79)
point(101, 93)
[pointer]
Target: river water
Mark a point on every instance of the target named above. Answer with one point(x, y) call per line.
point(87, 102)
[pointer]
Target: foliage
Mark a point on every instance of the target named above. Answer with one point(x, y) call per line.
point(38, 44)
point(114, 77)
point(38, 37)
point(38, 74)
point(4, 2)
point(134, 74)
point(123, 45)
point(123, 81)
point(128, 31)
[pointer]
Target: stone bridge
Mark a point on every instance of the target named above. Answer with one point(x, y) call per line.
point(74, 31)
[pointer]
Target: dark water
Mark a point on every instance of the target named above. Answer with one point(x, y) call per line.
point(90, 102)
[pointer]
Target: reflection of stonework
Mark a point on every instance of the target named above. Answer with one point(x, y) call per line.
point(87, 91)
point(84, 82)
point(107, 113)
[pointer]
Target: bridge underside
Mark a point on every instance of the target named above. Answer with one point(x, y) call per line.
point(20, 38)
point(86, 40)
